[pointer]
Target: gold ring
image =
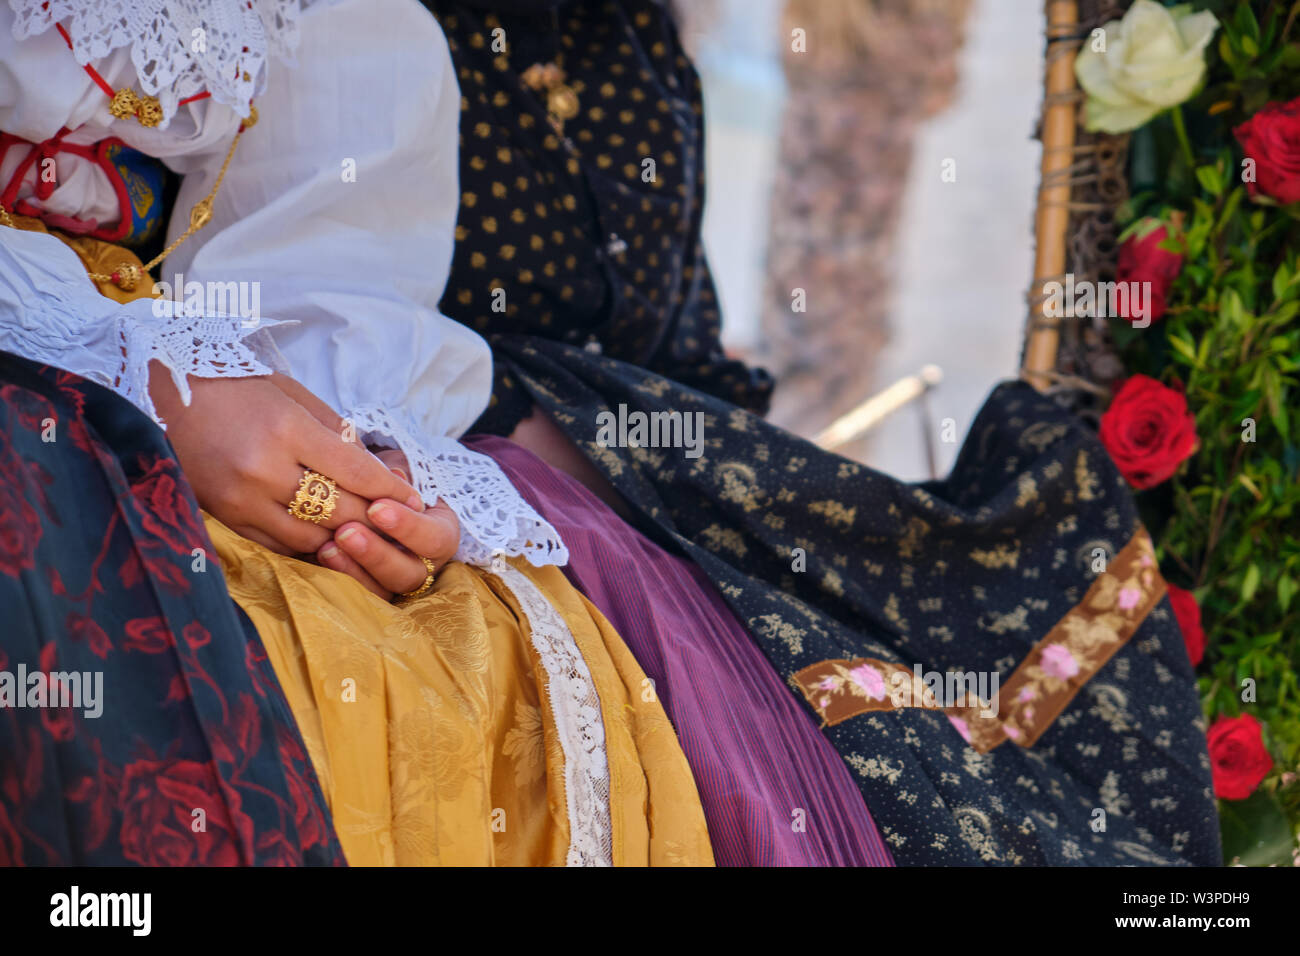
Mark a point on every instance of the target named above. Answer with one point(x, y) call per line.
point(427, 586)
point(316, 498)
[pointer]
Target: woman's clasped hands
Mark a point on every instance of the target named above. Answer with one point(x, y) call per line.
point(245, 444)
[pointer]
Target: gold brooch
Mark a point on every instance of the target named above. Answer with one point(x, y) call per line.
point(561, 98)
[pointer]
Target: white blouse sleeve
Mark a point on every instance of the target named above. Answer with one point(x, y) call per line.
point(340, 205)
point(51, 313)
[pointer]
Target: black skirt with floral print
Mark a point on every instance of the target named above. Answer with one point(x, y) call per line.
point(140, 720)
point(889, 608)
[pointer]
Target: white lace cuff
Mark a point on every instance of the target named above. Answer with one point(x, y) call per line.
point(51, 313)
point(494, 519)
point(202, 346)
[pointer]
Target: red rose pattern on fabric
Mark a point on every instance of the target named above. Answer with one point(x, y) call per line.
point(20, 527)
point(160, 499)
point(148, 634)
point(196, 759)
point(172, 816)
point(1148, 431)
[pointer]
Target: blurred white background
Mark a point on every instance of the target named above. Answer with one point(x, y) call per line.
point(959, 253)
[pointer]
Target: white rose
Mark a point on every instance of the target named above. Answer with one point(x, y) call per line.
point(1154, 59)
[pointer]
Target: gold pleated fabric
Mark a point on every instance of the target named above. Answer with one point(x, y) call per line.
point(430, 724)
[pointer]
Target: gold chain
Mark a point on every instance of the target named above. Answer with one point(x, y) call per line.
point(128, 274)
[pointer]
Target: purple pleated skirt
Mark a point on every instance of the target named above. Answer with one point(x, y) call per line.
point(775, 792)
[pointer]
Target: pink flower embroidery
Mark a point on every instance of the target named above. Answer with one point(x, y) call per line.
point(1026, 693)
point(828, 683)
point(870, 680)
point(1059, 662)
point(1011, 732)
point(961, 727)
point(824, 703)
point(1128, 598)
point(1028, 714)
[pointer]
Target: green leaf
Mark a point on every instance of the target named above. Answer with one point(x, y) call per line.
point(1230, 308)
point(1184, 348)
point(1286, 590)
point(1250, 583)
point(1281, 282)
point(1208, 177)
point(1246, 23)
point(1225, 50)
point(1230, 207)
point(1255, 830)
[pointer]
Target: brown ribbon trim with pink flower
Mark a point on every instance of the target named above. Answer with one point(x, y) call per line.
point(1055, 669)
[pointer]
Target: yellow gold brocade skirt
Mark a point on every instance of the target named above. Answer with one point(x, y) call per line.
point(432, 726)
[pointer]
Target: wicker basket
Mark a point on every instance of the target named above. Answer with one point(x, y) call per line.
point(1082, 186)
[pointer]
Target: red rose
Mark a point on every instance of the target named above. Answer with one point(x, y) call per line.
point(11, 843)
point(148, 634)
point(274, 849)
point(57, 721)
point(154, 559)
point(1188, 614)
point(1238, 756)
point(30, 408)
point(158, 803)
point(20, 527)
point(1142, 260)
point(83, 628)
point(1148, 431)
point(165, 507)
point(1272, 139)
point(306, 815)
point(196, 635)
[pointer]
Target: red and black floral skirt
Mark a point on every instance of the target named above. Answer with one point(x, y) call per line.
point(140, 721)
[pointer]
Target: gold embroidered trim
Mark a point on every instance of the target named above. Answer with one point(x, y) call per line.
point(1056, 668)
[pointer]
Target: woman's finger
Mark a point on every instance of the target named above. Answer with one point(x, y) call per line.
point(347, 506)
point(308, 400)
point(352, 466)
point(331, 556)
point(395, 461)
point(391, 458)
point(433, 534)
point(265, 540)
point(328, 554)
point(274, 521)
point(394, 568)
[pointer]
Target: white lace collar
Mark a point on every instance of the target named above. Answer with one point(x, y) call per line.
point(179, 47)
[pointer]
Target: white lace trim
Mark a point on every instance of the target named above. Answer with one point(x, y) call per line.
point(494, 518)
point(236, 39)
point(575, 707)
point(202, 346)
